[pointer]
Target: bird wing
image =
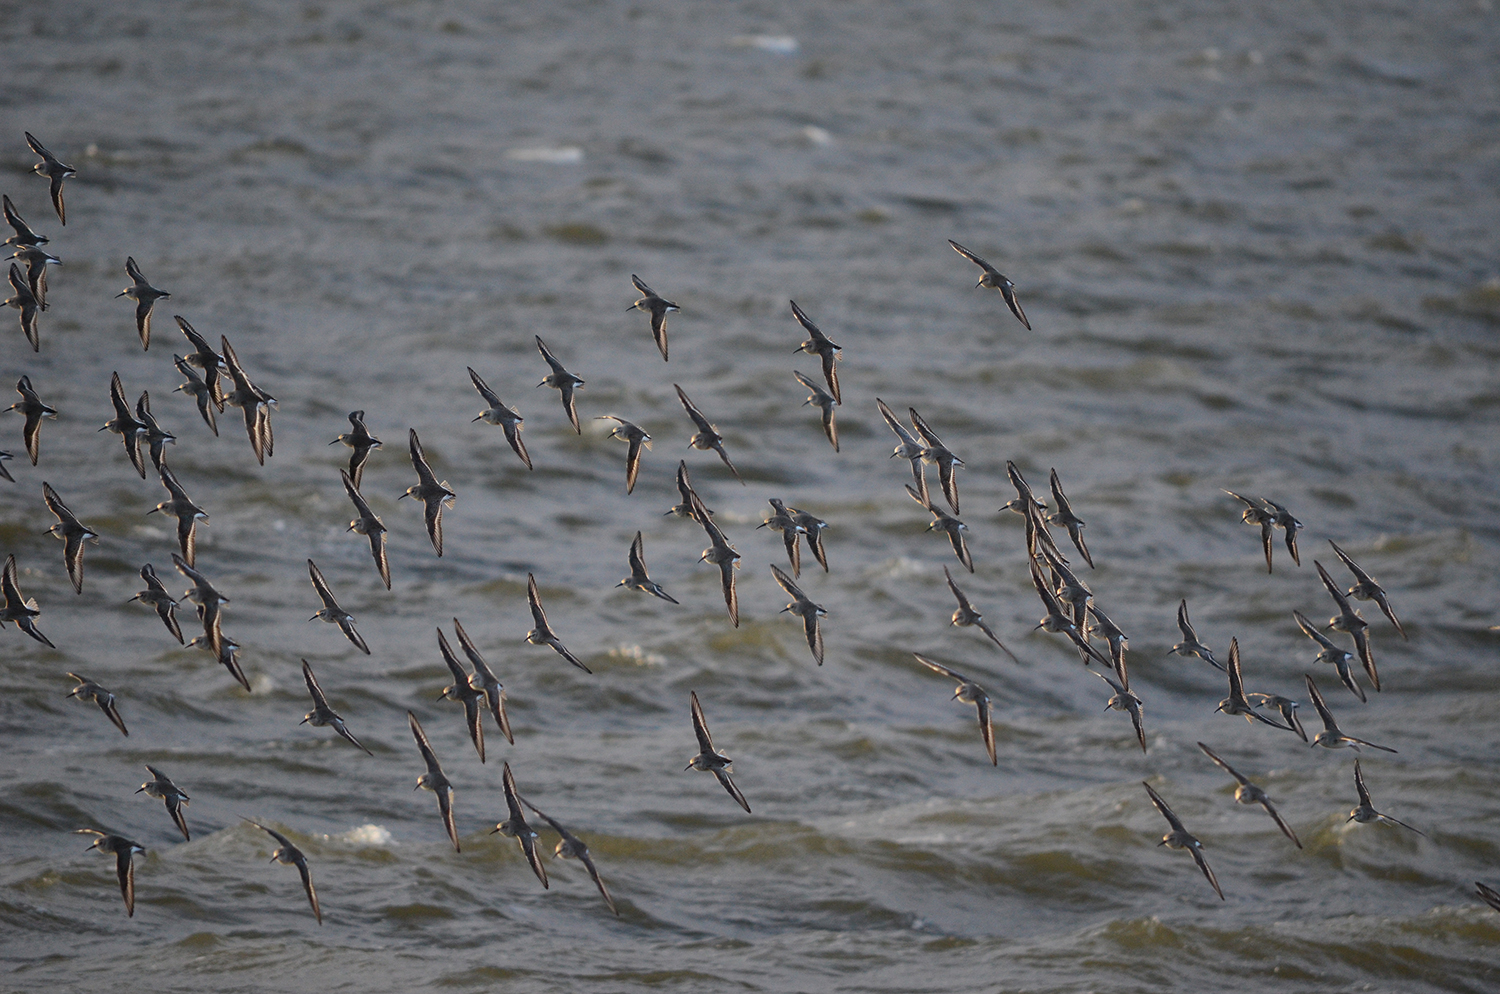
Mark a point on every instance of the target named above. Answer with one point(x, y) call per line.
point(637, 557)
point(987, 729)
point(896, 426)
point(1317, 698)
point(1333, 590)
point(1359, 784)
point(459, 676)
point(803, 320)
point(700, 726)
point(321, 586)
point(534, 599)
point(428, 756)
point(1161, 806)
point(557, 367)
point(1207, 871)
point(971, 257)
point(940, 668)
point(1236, 681)
point(734, 791)
point(484, 390)
point(1221, 764)
point(793, 591)
point(731, 597)
point(693, 412)
point(125, 870)
point(319, 700)
point(419, 460)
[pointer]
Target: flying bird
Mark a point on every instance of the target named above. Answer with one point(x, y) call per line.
point(1064, 517)
point(570, 846)
point(462, 691)
point(360, 441)
point(88, 690)
point(1282, 518)
point(1236, 702)
point(993, 280)
point(563, 382)
point(72, 532)
point(1349, 622)
point(784, 521)
point(638, 579)
point(722, 555)
point(145, 296)
point(939, 454)
point(55, 171)
point(25, 301)
point(812, 527)
point(970, 693)
point(156, 437)
point(433, 495)
point(205, 358)
point(711, 760)
point(658, 307)
point(803, 606)
point(1285, 705)
point(1190, 646)
point(1059, 621)
point(369, 525)
point(824, 401)
point(434, 780)
point(254, 402)
point(31, 408)
point(181, 506)
point(1181, 838)
point(126, 425)
point(1125, 700)
point(637, 438)
point(20, 609)
point(323, 716)
point(543, 634)
point(515, 827)
point(484, 680)
point(24, 236)
point(156, 595)
point(1248, 793)
point(947, 524)
point(909, 449)
point(1257, 514)
point(1366, 589)
point(37, 259)
point(1365, 812)
point(706, 437)
point(195, 387)
point(1330, 653)
point(124, 851)
point(331, 612)
point(498, 414)
point(818, 344)
point(966, 616)
point(1332, 737)
point(684, 508)
point(161, 787)
point(290, 855)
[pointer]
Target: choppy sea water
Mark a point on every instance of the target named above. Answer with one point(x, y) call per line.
point(1257, 249)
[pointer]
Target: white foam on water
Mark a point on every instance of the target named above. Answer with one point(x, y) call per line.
point(563, 155)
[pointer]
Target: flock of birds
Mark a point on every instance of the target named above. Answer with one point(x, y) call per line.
point(215, 377)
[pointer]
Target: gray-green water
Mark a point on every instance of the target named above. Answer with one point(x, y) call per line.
point(1257, 246)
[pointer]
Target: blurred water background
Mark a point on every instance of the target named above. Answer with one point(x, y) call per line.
point(1257, 246)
